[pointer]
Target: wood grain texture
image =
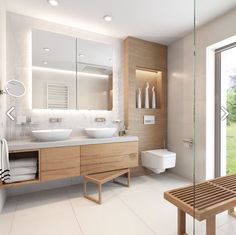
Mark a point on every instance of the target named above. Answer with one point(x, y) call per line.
point(106, 176)
point(205, 200)
point(149, 56)
point(60, 158)
point(107, 157)
point(59, 174)
point(181, 222)
point(101, 178)
point(57, 163)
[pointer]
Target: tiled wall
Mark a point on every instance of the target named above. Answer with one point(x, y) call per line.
point(2, 82)
point(19, 67)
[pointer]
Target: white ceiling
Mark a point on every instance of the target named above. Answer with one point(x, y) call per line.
point(162, 21)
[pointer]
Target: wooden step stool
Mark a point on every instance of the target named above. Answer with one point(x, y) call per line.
point(102, 178)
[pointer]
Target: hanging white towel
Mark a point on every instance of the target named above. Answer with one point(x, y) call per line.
point(4, 161)
point(23, 171)
point(23, 162)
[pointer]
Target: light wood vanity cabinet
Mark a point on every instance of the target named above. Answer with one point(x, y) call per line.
point(106, 157)
point(62, 162)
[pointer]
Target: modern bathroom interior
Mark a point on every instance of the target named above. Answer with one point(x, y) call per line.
point(117, 117)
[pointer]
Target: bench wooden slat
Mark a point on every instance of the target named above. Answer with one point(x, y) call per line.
point(206, 197)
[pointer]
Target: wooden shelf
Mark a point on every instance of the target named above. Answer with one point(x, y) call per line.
point(21, 183)
point(149, 109)
point(13, 155)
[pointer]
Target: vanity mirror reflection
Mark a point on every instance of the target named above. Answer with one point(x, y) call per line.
point(70, 73)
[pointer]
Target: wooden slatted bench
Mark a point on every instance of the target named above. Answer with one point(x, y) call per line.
point(204, 201)
point(104, 177)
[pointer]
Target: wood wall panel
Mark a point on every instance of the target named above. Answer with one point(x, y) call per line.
point(152, 56)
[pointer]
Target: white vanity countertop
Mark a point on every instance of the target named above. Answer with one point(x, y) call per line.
point(83, 140)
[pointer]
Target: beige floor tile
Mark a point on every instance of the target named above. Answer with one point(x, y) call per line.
point(138, 210)
point(110, 218)
point(45, 213)
point(150, 206)
point(229, 228)
point(7, 216)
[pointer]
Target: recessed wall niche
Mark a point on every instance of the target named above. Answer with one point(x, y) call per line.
point(145, 61)
point(154, 79)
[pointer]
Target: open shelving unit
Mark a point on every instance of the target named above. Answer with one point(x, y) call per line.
point(24, 154)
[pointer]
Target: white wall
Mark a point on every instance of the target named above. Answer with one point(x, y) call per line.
point(2, 82)
point(19, 67)
point(180, 96)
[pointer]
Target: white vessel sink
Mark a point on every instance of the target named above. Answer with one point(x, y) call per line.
point(52, 135)
point(100, 132)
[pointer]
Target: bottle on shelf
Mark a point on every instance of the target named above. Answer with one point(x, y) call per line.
point(153, 98)
point(139, 101)
point(147, 96)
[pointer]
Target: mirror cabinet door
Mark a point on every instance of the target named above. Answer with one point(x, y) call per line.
point(70, 73)
point(94, 75)
point(53, 71)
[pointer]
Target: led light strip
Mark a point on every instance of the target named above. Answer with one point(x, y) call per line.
point(69, 72)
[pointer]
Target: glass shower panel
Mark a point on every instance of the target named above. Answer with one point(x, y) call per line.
point(182, 124)
point(214, 123)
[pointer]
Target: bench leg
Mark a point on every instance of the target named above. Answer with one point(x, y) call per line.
point(123, 184)
point(181, 222)
point(231, 212)
point(99, 200)
point(100, 193)
point(211, 225)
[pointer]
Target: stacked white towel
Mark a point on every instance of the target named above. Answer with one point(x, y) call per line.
point(4, 161)
point(22, 169)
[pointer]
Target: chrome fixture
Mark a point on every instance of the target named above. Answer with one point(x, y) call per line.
point(188, 142)
point(100, 119)
point(55, 120)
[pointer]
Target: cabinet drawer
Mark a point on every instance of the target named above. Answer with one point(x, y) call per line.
point(106, 157)
point(59, 158)
point(60, 174)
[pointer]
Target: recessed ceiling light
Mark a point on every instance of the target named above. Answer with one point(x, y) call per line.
point(44, 62)
point(53, 2)
point(46, 49)
point(81, 55)
point(107, 18)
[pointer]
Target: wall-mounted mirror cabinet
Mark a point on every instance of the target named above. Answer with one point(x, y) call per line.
point(70, 73)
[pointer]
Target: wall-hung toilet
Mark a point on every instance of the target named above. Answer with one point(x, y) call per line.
point(158, 160)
